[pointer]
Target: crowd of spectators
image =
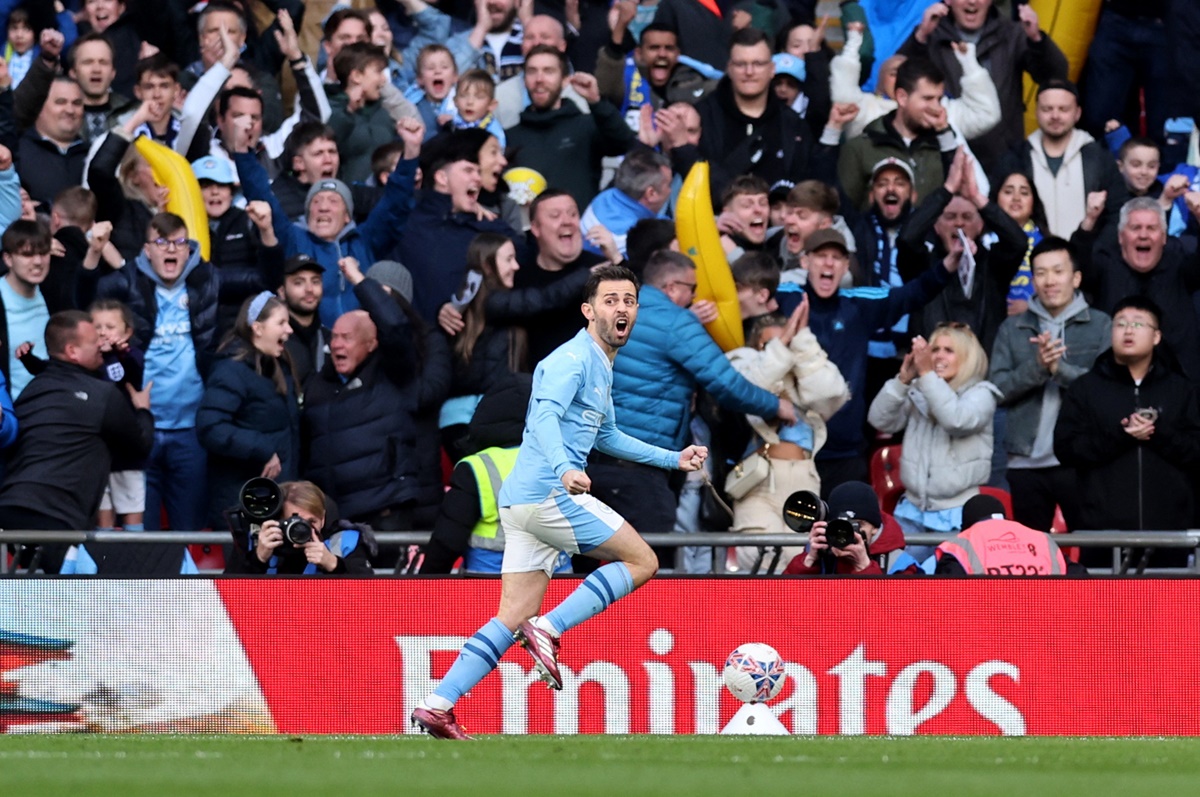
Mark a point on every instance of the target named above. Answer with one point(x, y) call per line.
point(400, 217)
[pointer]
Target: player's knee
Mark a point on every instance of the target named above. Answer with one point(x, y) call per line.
point(643, 567)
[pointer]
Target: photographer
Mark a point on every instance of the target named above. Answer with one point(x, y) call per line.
point(879, 540)
point(334, 548)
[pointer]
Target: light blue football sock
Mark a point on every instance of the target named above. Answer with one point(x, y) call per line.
point(597, 592)
point(478, 657)
point(135, 527)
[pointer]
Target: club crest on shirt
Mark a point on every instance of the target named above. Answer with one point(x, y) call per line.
point(183, 300)
point(115, 371)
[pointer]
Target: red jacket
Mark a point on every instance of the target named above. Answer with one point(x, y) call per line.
point(891, 538)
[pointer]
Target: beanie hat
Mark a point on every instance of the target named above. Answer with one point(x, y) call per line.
point(394, 275)
point(336, 186)
point(855, 500)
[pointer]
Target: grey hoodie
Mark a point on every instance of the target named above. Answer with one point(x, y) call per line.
point(1032, 395)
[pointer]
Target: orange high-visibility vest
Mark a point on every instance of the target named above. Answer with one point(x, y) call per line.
point(1005, 548)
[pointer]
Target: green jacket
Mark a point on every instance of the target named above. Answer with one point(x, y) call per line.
point(358, 135)
point(928, 155)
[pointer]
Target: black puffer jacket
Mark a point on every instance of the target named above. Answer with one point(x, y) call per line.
point(1123, 483)
point(1108, 280)
point(135, 283)
point(246, 266)
point(431, 385)
point(985, 310)
point(44, 169)
point(359, 435)
point(71, 425)
point(778, 145)
point(243, 421)
point(490, 361)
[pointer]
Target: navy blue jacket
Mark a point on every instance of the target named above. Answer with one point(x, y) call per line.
point(434, 248)
point(134, 287)
point(843, 325)
point(669, 355)
point(360, 435)
point(242, 422)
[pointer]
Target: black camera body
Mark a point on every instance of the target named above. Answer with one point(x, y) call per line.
point(262, 500)
point(804, 508)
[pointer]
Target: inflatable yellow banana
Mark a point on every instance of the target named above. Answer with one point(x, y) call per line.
point(696, 228)
point(1071, 23)
point(172, 170)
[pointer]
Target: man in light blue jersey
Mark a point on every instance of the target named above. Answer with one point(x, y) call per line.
point(545, 507)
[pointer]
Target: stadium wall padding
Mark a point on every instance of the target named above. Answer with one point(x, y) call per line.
point(875, 656)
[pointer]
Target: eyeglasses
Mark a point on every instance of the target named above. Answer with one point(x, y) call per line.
point(1133, 325)
point(169, 243)
point(691, 286)
point(748, 66)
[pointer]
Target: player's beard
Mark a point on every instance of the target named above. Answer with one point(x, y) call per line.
point(607, 332)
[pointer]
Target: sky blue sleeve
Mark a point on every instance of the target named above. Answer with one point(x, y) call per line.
point(555, 392)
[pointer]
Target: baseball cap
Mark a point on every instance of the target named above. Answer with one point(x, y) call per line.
point(216, 170)
point(855, 500)
point(826, 237)
point(1060, 84)
point(394, 275)
point(981, 507)
point(301, 263)
point(336, 186)
point(790, 65)
point(892, 163)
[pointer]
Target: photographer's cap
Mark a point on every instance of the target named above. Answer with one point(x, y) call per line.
point(855, 500)
point(982, 507)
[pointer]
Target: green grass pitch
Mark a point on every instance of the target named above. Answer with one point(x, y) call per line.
point(606, 766)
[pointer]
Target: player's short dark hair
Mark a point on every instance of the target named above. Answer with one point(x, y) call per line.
point(24, 237)
point(63, 329)
point(916, 68)
point(1052, 243)
point(608, 273)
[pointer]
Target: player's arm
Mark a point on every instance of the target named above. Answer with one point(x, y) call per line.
point(555, 392)
point(615, 443)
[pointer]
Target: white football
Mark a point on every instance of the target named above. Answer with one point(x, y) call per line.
point(754, 673)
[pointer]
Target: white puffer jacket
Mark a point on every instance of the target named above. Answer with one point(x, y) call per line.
point(947, 450)
point(802, 372)
point(976, 112)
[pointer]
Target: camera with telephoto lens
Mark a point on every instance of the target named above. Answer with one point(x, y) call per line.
point(803, 508)
point(261, 500)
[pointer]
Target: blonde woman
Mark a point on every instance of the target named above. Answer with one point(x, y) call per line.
point(944, 406)
point(784, 357)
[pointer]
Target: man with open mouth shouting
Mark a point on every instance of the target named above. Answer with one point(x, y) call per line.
point(545, 505)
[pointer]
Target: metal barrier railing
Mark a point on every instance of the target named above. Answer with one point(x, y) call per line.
point(1116, 540)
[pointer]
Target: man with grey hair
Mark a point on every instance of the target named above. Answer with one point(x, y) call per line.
point(1142, 260)
point(641, 189)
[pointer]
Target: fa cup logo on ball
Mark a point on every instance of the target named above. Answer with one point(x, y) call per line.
point(754, 673)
